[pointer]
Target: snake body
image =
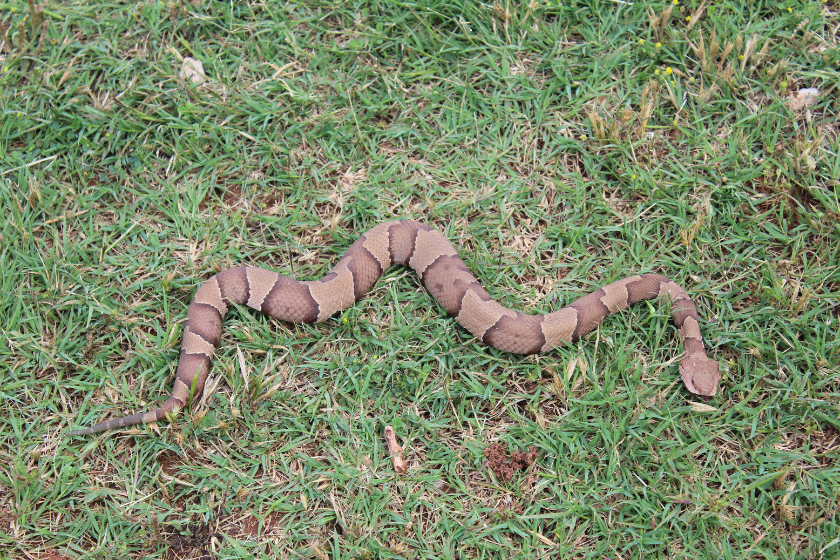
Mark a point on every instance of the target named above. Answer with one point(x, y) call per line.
point(445, 276)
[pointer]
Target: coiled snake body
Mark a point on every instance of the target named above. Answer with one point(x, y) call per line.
point(449, 281)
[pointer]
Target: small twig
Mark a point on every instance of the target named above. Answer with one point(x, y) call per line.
point(44, 27)
point(36, 162)
point(395, 451)
point(4, 42)
point(60, 218)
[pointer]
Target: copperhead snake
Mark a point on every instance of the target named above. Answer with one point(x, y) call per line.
point(445, 276)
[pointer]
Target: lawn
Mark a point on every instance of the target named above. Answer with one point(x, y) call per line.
point(560, 145)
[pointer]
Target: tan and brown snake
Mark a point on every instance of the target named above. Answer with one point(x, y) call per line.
point(445, 276)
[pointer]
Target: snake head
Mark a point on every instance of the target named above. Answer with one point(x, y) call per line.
point(700, 374)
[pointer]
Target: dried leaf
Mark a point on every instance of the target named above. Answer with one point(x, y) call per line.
point(803, 98)
point(395, 451)
point(193, 71)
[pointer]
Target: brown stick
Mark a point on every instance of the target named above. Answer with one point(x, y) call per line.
point(395, 451)
point(3, 40)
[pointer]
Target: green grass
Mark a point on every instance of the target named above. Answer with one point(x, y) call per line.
point(541, 139)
